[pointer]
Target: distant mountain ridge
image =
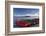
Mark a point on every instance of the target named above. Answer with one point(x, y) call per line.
point(25, 17)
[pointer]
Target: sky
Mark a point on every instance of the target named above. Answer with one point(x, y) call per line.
point(25, 11)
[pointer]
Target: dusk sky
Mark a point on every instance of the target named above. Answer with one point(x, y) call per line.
point(25, 11)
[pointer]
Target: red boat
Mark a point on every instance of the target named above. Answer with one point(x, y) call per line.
point(23, 23)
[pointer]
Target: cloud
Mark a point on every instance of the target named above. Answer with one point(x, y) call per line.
point(36, 14)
